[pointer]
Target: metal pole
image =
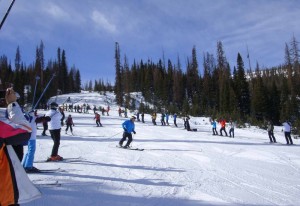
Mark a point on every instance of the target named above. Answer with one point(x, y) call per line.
point(36, 80)
point(43, 92)
point(5, 16)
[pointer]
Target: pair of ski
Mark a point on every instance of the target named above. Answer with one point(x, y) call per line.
point(46, 171)
point(47, 183)
point(130, 148)
point(75, 159)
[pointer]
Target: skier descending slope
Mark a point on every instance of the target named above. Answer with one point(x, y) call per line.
point(128, 127)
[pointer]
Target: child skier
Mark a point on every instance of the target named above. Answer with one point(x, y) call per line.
point(69, 123)
point(97, 117)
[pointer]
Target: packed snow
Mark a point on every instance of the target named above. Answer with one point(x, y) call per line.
point(177, 167)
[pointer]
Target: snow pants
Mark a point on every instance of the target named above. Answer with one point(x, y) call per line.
point(69, 126)
point(271, 136)
point(98, 123)
point(223, 129)
point(288, 137)
point(231, 132)
point(55, 135)
point(125, 135)
point(29, 157)
point(214, 131)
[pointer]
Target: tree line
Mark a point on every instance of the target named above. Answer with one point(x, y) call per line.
point(24, 78)
point(221, 91)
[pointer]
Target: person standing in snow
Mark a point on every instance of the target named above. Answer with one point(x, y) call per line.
point(54, 118)
point(15, 185)
point(223, 125)
point(175, 117)
point(154, 118)
point(29, 156)
point(162, 120)
point(120, 112)
point(214, 127)
point(270, 129)
point(107, 110)
point(69, 123)
point(187, 123)
point(143, 114)
point(167, 118)
point(287, 132)
point(231, 130)
point(129, 128)
point(14, 113)
point(45, 126)
point(61, 110)
point(97, 117)
point(125, 112)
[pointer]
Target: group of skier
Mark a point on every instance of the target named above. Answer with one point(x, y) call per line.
point(270, 129)
point(222, 123)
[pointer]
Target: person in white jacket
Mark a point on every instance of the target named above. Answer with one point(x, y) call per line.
point(15, 188)
point(15, 114)
point(287, 132)
point(54, 127)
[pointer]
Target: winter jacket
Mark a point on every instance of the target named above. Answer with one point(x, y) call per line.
point(128, 126)
point(175, 116)
point(33, 127)
point(270, 127)
point(15, 114)
point(15, 185)
point(231, 125)
point(223, 123)
point(214, 124)
point(286, 127)
point(69, 121)
point(55, 122)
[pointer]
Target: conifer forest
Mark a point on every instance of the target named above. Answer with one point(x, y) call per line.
point(214, 88)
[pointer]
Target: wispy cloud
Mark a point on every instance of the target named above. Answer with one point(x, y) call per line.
point(56, 12)
point(145, 29)
point(102, 22)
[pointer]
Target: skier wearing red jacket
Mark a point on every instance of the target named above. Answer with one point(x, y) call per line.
point(223, 125)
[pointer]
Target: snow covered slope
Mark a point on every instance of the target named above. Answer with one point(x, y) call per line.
point(177, 167)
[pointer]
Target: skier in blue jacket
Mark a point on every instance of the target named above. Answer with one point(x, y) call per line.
point(128, 127)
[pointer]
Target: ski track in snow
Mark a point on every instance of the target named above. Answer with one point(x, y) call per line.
point(176, 168)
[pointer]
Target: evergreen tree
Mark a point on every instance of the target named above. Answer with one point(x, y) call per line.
point(242, 88)
point(118, 80)
point(223, 72)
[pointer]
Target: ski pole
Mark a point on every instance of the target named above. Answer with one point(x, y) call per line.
point(5, 16)
point(115, 135)
point(36, 79)
point(43, 92)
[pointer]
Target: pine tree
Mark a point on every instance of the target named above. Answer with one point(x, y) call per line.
point(242, 88)
point(223, 72)
point(118, 80)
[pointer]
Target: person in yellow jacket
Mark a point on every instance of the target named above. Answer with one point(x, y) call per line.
point(15, 187)
point(154, 118)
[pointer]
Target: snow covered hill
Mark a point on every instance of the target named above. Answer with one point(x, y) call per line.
point(177, 167)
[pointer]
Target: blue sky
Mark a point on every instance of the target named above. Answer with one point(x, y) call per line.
point(148, 29)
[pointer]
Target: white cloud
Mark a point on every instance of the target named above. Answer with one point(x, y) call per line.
point(102, 22)
point(56, 12)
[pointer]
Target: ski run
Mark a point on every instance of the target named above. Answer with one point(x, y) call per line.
point(176, 167)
